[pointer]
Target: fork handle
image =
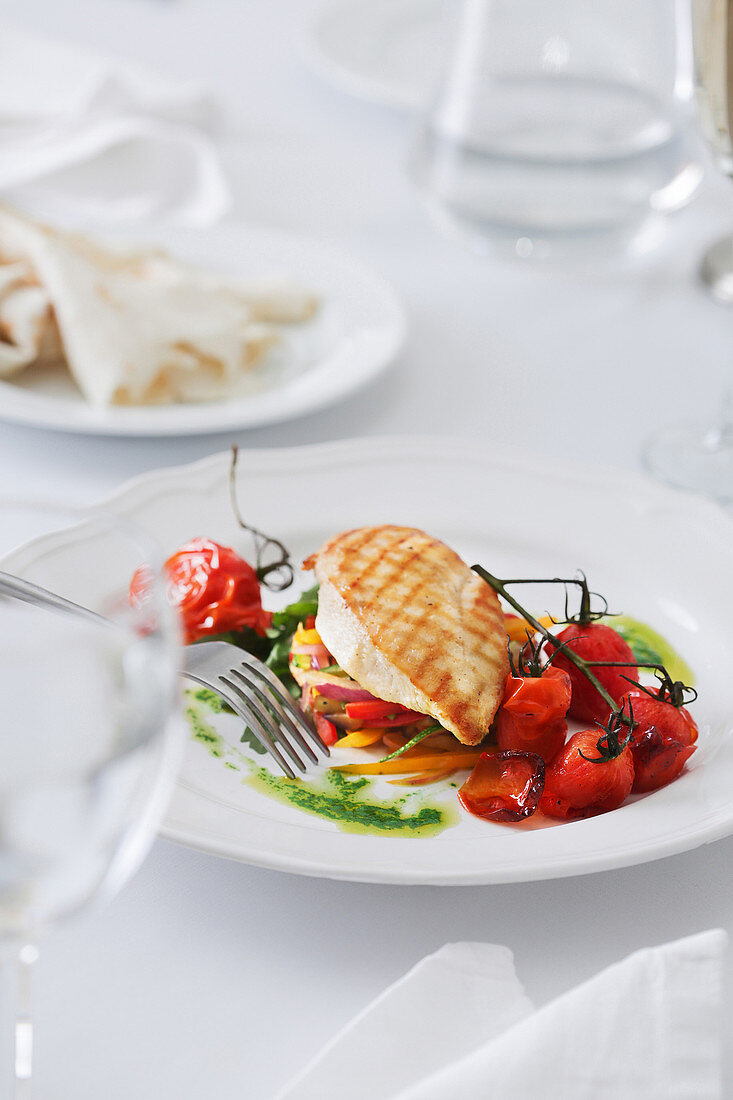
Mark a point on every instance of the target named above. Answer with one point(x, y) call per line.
point(31, 593)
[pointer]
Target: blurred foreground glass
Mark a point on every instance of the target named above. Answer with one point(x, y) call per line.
point(559, 122)
point(88, 748)
point(700, 456)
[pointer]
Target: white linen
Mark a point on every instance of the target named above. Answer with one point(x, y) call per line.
point(83, 133)
point(459, 1024)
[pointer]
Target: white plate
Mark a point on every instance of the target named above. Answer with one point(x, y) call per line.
point(356, 334)
point(660, 556)
point(388, 51)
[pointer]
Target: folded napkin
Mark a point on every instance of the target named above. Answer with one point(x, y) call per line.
point(459, 1024)
point(80, 132)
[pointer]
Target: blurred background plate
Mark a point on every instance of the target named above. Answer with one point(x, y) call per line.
point(389, 51)
point(355, 335)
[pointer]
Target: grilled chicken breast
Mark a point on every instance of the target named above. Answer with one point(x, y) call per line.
point(407, 619)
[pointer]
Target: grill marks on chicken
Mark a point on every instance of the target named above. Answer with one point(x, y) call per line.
point(407, 619)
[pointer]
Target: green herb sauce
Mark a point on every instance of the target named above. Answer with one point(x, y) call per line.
point(335, 798)
point(347, 801)
point(649, 646)
point(213, 701)
point(202, 732)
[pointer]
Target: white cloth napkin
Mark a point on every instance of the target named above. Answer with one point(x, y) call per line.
point(460, 1025)
point(81, 132)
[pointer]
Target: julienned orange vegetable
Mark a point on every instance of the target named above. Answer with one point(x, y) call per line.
point(422, 778)
point(518, 628)
point(402, 765)
point(360, 739)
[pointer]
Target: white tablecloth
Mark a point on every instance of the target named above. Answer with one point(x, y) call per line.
point(209, 978)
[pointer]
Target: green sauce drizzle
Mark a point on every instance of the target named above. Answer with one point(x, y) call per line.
point(648, 645)
point(335, 798)
point(347, 801)
point(213, 701)
point(202, 732)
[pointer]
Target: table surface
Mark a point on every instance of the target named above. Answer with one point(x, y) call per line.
point(210, 978)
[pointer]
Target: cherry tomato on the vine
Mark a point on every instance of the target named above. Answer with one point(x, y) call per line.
point(531, 717)
point(595, 642)
point(662, 740)
point(580, 782)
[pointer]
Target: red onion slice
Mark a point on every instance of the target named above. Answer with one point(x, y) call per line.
point(343, 692)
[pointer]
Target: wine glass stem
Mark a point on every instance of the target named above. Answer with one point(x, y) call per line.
point(17, 967)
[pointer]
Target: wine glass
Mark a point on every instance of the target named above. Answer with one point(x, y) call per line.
point(88, 745)
point(700, 457)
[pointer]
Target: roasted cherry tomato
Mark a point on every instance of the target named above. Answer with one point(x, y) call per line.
point(595, 642)
point(581, 781)
point(213, 588)
point(504, 786)
point(662, 740)
point(531, 717)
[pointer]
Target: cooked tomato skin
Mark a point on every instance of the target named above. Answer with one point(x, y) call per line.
point(576, 787)
point(649, 710)
point(531, 717)
point(504, 786)
point(213, 589)
point(662, 740)
point(595, 642)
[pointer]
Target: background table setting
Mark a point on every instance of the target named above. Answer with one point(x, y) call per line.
point(502, 384)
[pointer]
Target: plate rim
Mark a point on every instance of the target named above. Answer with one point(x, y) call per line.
point(419, 445)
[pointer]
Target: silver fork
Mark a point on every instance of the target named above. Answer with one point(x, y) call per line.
point(248, 686)
point(254, 692)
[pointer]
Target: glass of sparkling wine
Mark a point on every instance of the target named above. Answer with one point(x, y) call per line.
point(559, 127)
point(694, 456)
point(88, 741)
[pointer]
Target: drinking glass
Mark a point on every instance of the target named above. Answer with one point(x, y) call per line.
point(559, 124)
point(88, 744)
point(700, 456)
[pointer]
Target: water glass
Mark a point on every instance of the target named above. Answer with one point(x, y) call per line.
point(559, 123)
point(88, 745)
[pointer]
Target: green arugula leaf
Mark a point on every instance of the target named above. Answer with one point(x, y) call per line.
point(294, 613)
point(274, 648)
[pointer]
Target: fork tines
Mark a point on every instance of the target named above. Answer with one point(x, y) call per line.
point(273, 715)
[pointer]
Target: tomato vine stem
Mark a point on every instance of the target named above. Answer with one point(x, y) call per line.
point(583, 667)
point(279, 574)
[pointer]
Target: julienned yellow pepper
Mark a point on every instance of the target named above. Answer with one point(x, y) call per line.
point(307, 637)
point(436, 762)
point(359, 739)
point(517, 628)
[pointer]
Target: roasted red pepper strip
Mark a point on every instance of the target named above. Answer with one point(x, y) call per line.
point(328, 732)
point(381, 713)
point(532, 714)
point(504, 786)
